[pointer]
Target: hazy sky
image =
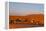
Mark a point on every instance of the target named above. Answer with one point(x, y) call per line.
point(25, 8)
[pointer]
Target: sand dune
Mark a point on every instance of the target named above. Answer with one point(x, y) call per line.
point(34, 19)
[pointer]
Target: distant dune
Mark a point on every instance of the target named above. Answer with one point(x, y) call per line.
point(24, 13)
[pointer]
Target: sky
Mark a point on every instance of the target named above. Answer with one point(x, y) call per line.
point(22, 9)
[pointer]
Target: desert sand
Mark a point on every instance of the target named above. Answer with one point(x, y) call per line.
point(34, 20)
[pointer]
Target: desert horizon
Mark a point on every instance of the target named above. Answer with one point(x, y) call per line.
point(17, 13)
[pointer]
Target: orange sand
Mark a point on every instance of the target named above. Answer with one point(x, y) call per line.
point(38, 18)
